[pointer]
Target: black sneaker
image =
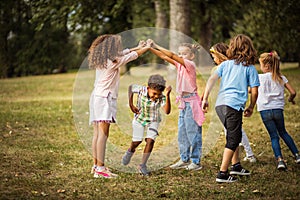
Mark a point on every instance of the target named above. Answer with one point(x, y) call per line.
point(281, 165)
point(239, 170)
point(225, 178)
point(297, 158)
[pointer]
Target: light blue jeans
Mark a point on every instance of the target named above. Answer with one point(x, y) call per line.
point(274, 123)
point(189, 136)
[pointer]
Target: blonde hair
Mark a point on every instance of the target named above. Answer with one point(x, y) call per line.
point(241, 50)
point(272, 60)
point(193, 47)
point(104, 47)
point(219, 50)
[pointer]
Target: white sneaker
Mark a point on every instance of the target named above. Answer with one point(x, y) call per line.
point(179, 165)
point(251, 159)
point(194, 167)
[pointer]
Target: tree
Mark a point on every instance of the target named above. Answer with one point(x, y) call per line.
point(273, 25)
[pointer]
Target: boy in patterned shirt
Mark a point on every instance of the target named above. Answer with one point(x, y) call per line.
point(147, 116)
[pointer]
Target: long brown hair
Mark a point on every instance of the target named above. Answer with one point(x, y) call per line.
point(241, 50)
point(219, 50)
point(272, 61)
point(104, 47)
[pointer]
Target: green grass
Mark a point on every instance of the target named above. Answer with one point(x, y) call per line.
point(42, 155)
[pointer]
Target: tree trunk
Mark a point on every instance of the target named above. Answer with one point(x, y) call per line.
point(180, 22)
point(161, 20)
point(205, 27)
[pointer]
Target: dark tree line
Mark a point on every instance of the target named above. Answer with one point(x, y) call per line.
point(42, 36)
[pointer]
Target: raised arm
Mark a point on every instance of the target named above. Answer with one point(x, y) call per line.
point(292, 93)
point(162, 55)
point(141, 48)
point(168, 53)
point(167, 107)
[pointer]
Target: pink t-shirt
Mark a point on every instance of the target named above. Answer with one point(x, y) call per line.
point(186, 77)
point(107, 79)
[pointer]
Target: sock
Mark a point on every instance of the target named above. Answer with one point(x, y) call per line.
point(237, 164)
point(100, 168)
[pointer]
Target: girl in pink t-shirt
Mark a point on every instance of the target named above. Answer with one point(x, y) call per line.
point(106, 57)
point(191, 115)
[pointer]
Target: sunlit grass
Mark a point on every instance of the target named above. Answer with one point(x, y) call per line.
point(42, 155)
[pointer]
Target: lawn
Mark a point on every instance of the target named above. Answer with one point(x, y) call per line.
point(43, 153)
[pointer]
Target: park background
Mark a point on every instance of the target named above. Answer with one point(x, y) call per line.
point(41, 153)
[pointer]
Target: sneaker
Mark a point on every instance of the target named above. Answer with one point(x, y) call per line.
point(127, 157)
point(239, 170)
point(225, 178)
point(179, 165)
point(194, 167)
point(143, 170)
point(105, 173)
point(251, 159)
point(297, 158)
point(281, 165)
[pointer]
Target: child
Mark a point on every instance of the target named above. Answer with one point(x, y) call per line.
point(218, 52)
point(106, 56)
point(147, 114)
point(191, 115)
point(237, 74)
point(270, 104)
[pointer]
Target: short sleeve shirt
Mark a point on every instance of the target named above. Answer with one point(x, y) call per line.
point(186, 77)
point(235, 80)
point(149, 110)
point(270, 93)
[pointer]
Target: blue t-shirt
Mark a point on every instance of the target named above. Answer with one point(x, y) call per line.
point(235, 80)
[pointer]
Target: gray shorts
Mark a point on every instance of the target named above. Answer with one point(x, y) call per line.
point(138, 131)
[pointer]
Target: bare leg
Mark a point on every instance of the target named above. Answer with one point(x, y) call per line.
point(236, 156)
point(94, 143)
point(103, 133)
point(227, 156)
point(134, 145)
point(147, 150)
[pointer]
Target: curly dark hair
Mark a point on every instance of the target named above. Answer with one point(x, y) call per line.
point(104, 47)
point(157, 82)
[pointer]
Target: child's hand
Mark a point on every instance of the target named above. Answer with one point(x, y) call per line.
point(151, 43)
point(142, 44)
point(168, 90)
point(248, 112)
point(134, 109)
point(204, 106)
point(292, 101)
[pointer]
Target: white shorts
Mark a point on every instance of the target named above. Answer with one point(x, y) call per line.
point(103, 108)
point(138, 131)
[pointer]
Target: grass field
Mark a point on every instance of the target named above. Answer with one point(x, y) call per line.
point(43, 157)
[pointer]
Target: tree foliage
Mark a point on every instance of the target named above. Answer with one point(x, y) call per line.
point(40, 36)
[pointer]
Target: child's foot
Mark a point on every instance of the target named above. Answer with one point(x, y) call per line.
point(224, 177)
point(179, 165)
point(281, 165)
point(297, 158)
point(251, 159)
point(194, 167)
point(104, 173)
point(237, 169)
point(143, 170)
point(127, 157)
